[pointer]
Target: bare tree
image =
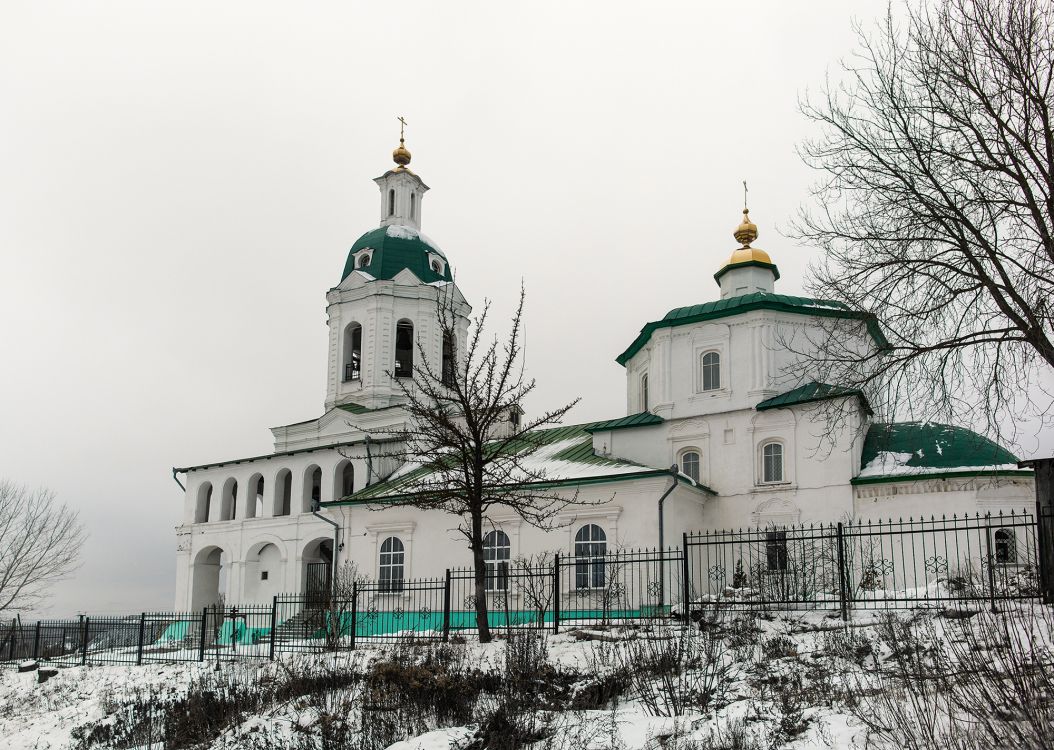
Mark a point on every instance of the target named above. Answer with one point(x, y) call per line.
point(467, 442)
point(936, 211)
point(40, 544)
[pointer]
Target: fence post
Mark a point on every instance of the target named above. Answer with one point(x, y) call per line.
point(446, 607)
point(36, 642)
point(556, 592)
point(274, 626)
point(11, 648)
point(842, 573)
point(991, 559)
point(354, 612)
point(204, 627)
point(84, 641)
point(142, 635)
point(686, 587)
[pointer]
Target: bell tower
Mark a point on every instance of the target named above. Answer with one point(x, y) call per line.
point(383, 315)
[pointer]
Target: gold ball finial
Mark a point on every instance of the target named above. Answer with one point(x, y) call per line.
point(401, 155)
point(747, 231)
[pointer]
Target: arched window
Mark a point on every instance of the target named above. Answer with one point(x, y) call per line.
point(690, 464)
point(404, 349)
point(204, 504)
point(391, 564)
point(312, 489)
point(644, 392)
point(352, 352)
point(229, 501)
point(772, 462)
point(284, 493)
point(448, 359)
point(391, 202)
point(347, 480)
point(496, 549)
point(364, 260)
point(413, 205)
point(711, 368)
point(1005, 546)
point(256, 502)
point(437, 267)
point(590, 547)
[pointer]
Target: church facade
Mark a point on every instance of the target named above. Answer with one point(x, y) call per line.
point(716, 426)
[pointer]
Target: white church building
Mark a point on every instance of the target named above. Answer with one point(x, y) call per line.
point(715, 424)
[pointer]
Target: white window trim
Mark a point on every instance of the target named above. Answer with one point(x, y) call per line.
point(680, 460)
point(381, 531)
point(368, 252)
point(435, 257)
point(718, 346)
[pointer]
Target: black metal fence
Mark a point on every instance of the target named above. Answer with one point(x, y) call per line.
point(874, 564)
point(842, 566)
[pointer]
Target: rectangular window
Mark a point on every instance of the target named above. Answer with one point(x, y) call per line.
point(263, 575)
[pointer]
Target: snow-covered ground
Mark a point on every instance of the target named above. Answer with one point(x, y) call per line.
point(780, 681)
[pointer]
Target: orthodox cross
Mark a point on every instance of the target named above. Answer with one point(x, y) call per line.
point(402, 128)
point(744, 195)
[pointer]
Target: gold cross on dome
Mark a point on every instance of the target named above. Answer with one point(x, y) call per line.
point(402, 128)
point(744, 195)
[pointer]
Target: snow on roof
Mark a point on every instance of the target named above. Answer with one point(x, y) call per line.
point(564, 456)
point(403, 232)
point(894, 464)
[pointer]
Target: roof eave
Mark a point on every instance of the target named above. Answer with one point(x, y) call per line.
point(952, 474)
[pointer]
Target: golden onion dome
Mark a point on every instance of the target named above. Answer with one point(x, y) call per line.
point(747, 231)
point(401, 155)
point(744, 254)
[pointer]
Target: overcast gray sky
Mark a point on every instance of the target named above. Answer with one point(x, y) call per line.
point(180, 183)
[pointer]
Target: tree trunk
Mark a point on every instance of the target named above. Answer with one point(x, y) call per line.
point(479, 570)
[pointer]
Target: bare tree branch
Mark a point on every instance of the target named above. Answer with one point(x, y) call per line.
point(465, 447)
point(40, 544)
point(936, 212)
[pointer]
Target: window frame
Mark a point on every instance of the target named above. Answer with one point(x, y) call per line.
point(763, 478)
point(389, 562)
point(684, 453)
point(590, 555)
point(704, 368)
point(644, 393)
point(497, 552)
point(1004, 546)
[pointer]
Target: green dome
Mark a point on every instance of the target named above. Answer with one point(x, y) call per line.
point(396, 247)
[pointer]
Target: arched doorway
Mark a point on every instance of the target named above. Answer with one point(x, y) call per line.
point(210, 578)
point(318, 566)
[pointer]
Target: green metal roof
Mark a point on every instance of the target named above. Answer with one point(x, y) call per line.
point(396, 248)
point(724, 308)
point(643, 419)
point(593, 469)
point(809, 393)
point(928, 449)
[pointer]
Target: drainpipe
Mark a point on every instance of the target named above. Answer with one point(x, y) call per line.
point(675, 475)
point(176, 479)
point(315, 507)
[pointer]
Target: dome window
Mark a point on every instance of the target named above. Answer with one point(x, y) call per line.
point(364, 260)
